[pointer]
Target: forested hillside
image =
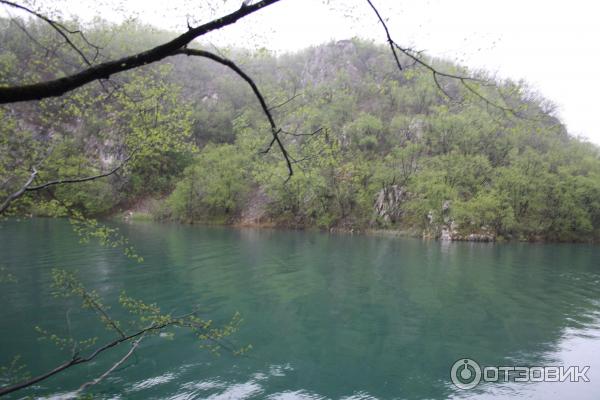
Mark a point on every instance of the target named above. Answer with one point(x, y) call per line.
point(372, 147)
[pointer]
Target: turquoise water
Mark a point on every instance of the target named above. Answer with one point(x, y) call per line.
point(328, 316)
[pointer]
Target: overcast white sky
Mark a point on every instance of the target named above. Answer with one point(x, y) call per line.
point(552, 44)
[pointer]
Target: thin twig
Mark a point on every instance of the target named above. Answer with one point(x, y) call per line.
point(387, 33)
point(79, 180)
point(116, 365)
point(313, 133)
point(80, 360)
point(283, 103)
point(56, 26)
point(417, 59)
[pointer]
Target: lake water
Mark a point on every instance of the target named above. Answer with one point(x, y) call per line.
point(328, 316)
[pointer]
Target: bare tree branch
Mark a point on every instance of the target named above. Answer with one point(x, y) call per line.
point(440, 87)
point(56, 25)
point(283, 103)
point(387, 33)
point(80, 360)
point(104, 71)
point(28, 188)
point(60, 86)
point(434, 71)
point(116, 365)
point(275, 131)
point(313, 133)
point(486, 100)
point(59, 28)
point(79, 180)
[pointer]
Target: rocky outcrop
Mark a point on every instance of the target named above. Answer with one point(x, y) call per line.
point(388, 203)
point(324, 63)
point(483, 234)
point(446, 234)
point(255, 211)
point(449, 230)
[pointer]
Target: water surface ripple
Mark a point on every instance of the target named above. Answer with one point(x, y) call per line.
point(328, 316)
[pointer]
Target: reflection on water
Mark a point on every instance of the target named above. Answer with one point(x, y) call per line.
point(328, 316)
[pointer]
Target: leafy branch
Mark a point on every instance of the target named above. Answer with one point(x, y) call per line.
point(149, 316)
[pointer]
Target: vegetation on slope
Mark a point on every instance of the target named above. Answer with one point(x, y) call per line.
point(375, 147)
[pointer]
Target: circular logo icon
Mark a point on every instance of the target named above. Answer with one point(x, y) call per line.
point(465, 373)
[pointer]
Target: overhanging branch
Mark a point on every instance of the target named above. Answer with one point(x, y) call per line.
point(275, 131)
point(463, 79)
point(60, 86)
